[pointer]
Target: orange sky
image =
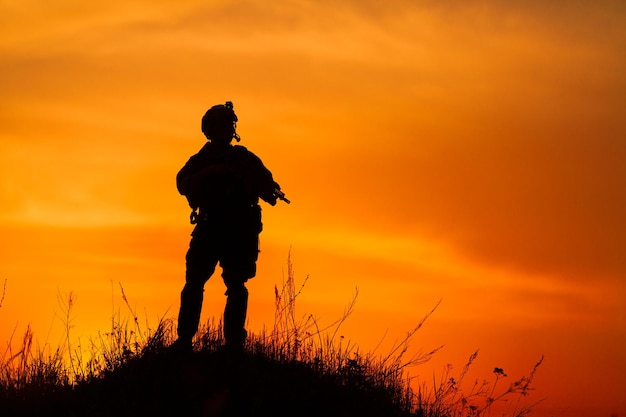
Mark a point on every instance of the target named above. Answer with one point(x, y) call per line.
point(469, 153)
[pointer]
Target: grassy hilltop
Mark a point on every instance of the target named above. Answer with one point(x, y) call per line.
point(297, 369)
point(205, 383)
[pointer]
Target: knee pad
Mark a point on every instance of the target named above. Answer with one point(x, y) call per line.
point(193, 287)
point(237, 290)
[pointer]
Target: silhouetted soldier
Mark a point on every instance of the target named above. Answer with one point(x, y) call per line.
point(222, 183)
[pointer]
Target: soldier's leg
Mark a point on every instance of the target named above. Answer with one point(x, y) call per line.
point(200, 265)
point(238, 266)
point(235, 314)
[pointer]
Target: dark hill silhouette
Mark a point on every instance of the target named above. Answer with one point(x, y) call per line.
point(299, 368)
point(213, 383)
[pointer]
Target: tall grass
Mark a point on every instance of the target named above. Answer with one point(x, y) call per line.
point(447, 398)
point(34, 374)
point(303, 339)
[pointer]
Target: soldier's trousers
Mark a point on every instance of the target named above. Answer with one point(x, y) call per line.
point(236, 251)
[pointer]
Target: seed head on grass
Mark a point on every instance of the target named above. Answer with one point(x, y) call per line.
point(4, 291)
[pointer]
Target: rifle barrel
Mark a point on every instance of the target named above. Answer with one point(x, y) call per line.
point(281, 196)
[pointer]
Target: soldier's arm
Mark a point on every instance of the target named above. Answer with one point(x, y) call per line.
point(194, 173)
point(266, 185)
point(192, 181)
point(260, 179)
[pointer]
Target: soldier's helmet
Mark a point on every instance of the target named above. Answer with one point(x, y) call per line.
point(217, 118)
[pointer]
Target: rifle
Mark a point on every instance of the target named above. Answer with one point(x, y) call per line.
point(280, 195)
